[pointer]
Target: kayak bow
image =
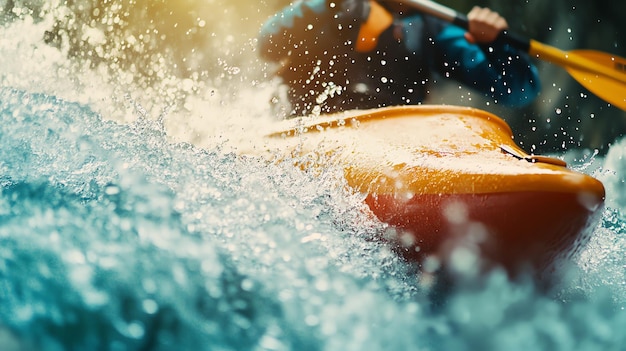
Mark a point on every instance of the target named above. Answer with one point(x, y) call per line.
point(449, 177)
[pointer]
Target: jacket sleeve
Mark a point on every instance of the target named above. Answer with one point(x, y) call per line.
point(498, 70)
point(313, 25)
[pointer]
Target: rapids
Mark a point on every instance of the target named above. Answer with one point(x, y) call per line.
point(129, 222)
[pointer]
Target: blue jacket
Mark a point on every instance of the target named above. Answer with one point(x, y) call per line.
point(314, 39)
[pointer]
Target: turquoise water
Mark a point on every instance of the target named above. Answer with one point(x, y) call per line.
point(122, 228)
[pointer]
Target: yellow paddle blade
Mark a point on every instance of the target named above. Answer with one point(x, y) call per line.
point(611, 89)
point(601, 73)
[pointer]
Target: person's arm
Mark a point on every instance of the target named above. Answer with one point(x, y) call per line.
point(480, 60)
point(289, 28)
point(313, 25)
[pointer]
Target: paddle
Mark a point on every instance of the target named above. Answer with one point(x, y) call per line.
point(601, 73)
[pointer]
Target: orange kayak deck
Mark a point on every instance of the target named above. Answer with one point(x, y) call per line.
point(449, 177)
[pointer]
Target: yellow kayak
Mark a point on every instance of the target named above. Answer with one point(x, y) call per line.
point(452, 177)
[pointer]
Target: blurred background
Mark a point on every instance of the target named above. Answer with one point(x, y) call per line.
point(174, 49)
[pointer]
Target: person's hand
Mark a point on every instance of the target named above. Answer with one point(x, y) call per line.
point(484, 25)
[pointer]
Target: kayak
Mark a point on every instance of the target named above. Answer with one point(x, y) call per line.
point(451, 180)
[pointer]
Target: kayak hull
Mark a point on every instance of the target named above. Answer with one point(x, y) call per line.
point(451, 177)
point(521, 231)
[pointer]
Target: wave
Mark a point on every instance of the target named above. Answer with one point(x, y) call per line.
point(128, 222)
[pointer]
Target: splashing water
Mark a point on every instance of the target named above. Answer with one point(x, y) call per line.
point(127, 222)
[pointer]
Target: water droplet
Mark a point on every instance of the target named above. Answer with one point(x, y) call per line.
point(135, 330)
point(247, 284)
point(150, 306)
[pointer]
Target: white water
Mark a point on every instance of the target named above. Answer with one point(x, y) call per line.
point(127, 223)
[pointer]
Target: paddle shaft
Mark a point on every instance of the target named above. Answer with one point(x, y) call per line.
point(532, 47)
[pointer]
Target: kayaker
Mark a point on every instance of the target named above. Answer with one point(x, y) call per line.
point(356, 54)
